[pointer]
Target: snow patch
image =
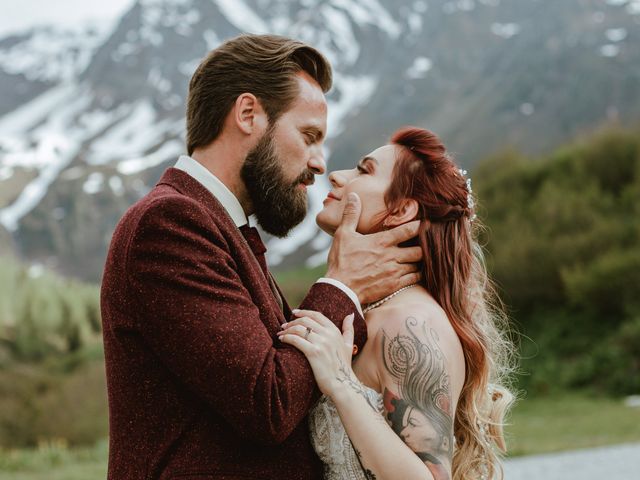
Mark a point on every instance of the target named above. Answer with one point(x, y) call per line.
point(116, 185)
point(633, 8)
point(354, 92)
point(370, 12)
point(167, 151)
point(616, 34)
point(188, 68)
point(93, 184)
point(158, 81)
point(5, 173)
point(419, 68)
point(212, 40)
point(527, 109)
point(53, 54)
point(242, 16)
point(420, 6)
point(56, 151)
point(25, 117)
point(505, 30)
point(342, 33)
point(610, 50)
point(415, 23)
point(136, 133)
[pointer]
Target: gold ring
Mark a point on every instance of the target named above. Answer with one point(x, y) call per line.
point(306, 335)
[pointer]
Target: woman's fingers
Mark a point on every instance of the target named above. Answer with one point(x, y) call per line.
point(317, 316)
point(347, 330)
point(305, 321)
point(297, 341)
point(299, 330)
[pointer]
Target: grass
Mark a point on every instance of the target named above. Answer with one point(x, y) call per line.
point(551, 424)
point(54, 461)
point(569, 422)
point(296, 283)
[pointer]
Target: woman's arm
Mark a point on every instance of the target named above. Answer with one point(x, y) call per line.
point(417, 441)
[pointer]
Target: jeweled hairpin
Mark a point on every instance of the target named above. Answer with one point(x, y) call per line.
point(470, 201)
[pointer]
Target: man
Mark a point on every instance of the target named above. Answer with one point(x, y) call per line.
point(199, 386)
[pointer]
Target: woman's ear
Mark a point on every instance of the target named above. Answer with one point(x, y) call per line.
point(407, 211)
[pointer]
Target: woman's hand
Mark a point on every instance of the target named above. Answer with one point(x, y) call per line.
point(327, 349)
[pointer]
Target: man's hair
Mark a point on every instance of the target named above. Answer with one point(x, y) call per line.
point(264, 65)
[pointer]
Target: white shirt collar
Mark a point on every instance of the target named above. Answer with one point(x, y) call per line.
point(215, 186)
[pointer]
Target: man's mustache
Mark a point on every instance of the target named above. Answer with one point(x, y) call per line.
point(307, 177)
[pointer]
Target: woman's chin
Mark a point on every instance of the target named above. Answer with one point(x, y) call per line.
point(325, 226)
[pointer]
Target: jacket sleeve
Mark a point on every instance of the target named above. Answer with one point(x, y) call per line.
point(335, 304)
point(196, 314)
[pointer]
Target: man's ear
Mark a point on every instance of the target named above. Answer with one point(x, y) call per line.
point(406, 212)
point(248, 114)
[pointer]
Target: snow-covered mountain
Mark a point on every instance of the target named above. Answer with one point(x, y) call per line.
point(90, 118)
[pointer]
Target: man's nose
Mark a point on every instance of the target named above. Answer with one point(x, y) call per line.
point(316, 162)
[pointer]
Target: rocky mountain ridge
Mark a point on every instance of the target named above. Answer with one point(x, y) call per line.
point(90, 118)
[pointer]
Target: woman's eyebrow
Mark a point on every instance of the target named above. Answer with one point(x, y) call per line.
point(364, 159)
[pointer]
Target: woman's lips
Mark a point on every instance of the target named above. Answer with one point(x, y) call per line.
point(330, 196)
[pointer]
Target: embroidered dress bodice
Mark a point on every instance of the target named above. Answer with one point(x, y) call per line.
point(330, 439)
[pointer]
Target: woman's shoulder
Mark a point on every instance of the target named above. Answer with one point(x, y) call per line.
point(419, 326)
point(416, 317)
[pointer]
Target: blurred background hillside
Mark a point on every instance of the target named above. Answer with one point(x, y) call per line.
point(538, 99)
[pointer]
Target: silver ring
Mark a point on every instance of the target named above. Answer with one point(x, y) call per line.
point(306, 335)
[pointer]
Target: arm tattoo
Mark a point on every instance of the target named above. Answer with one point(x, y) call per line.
point(345, 376)
point(368, 474)
point(420, 413)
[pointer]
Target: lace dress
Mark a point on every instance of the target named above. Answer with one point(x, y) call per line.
point(331, 442)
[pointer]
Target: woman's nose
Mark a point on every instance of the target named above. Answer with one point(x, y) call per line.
point(337, 178)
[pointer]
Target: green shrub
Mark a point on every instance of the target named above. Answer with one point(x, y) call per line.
point(564, 247)
point(42, 314)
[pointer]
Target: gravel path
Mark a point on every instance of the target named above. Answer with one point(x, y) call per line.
point(620, 462)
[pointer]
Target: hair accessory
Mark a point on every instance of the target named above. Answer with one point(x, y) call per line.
point(470, 202)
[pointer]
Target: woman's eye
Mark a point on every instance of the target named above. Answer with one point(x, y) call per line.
point(361, 169)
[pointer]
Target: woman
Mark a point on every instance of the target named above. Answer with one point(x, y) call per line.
point(435, 360)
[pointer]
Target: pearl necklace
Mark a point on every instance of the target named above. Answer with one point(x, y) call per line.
point(371, 306)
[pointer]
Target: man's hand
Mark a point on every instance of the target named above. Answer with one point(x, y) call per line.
point(373, 266)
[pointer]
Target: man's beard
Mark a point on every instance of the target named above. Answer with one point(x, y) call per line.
point(278, 204)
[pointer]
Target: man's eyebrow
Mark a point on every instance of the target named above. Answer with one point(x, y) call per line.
point(315, 131)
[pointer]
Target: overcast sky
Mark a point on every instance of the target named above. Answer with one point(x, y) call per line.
point(16, 15)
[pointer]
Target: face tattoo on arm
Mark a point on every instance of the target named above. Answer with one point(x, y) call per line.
point(420, 412)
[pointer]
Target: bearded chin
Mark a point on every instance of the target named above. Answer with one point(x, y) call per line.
point(279, 205)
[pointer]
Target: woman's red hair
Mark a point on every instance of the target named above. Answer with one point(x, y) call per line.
point(454, 274)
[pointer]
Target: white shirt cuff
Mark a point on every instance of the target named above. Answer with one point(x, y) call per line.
point(350, 293)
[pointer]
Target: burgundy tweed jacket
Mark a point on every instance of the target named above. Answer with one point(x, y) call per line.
point(199, 386)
